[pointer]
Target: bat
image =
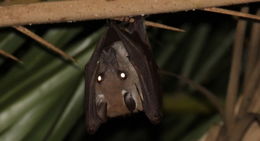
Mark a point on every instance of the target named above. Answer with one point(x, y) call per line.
point(121, 76)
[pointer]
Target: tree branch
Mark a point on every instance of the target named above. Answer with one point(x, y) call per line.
point(8, 55)
point(233, 13)
point(204, 91)
point(45, 43)
point(233, 84)
point(66, 11)
point(252, 73)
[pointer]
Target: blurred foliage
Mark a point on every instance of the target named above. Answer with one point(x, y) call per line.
point(43, 98)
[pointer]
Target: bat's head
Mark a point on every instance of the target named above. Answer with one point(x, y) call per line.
point(117, 86)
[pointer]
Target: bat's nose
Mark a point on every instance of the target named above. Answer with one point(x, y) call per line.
point(129, 102)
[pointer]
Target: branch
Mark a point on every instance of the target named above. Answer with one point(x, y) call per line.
point(8, 55)
point(204, 91)
point(162, 26)
point(150, 23)
point(67, 11)
point(233, 84)
point(44, 42)
point(252, 50)
point(251, 70)
point(250, 90)
point(233, 13)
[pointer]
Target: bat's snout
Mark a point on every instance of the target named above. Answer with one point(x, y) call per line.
point(129, 101)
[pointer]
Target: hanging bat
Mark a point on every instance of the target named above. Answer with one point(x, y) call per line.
point(121, 77)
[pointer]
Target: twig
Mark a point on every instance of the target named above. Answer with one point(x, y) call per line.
point(205, 92)
point(57, 11)
point(233, 83)
point(252, 50)
point(44, 42)
point(250, 90)
point(150, 23)
point(251, 70)
point(8, 55)
point(240, 129)
point(232, 13)
point(255, 105)
point(158, 25)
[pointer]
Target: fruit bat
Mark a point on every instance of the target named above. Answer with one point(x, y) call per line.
point(121, 76)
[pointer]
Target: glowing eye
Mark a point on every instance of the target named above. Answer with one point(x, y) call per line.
point(122, 75)
point(99, 78)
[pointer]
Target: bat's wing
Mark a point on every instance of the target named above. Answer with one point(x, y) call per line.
point(92, 119)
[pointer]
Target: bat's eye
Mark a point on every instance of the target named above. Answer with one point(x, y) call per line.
point(122, 75)
point(99, 78)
